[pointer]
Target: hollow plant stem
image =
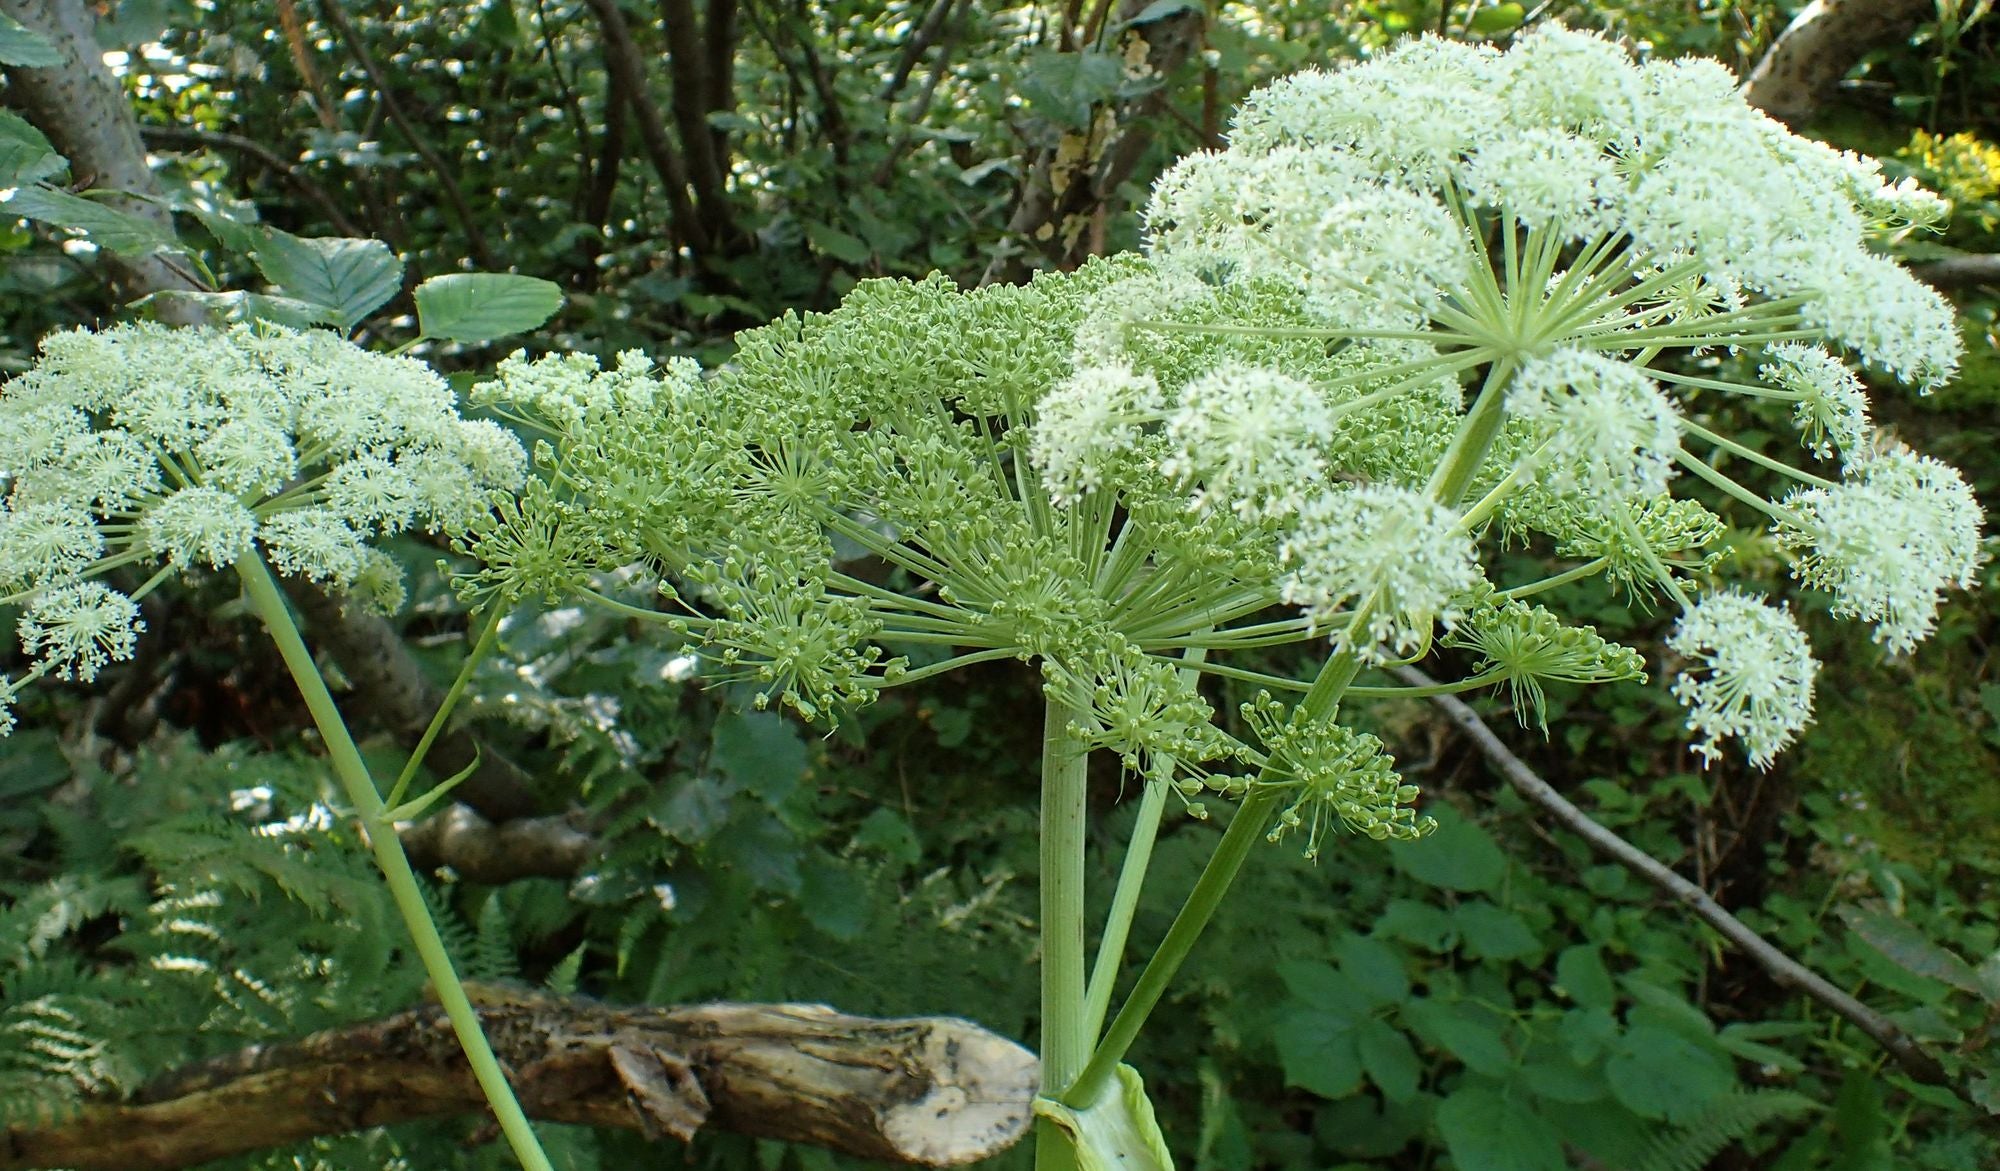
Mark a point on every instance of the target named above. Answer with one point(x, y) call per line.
point(1065, 1041)
point(269, 604)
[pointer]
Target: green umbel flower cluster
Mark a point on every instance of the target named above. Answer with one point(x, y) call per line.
point(1377, 336)
point(143, 448)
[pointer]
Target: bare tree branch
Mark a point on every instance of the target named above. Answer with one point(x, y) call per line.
point(1822, 43)
point(1915, 1060)
point(181, 136)
point(931, 1091)
point(1960, 272)
point(627, 67)
point(475, 237)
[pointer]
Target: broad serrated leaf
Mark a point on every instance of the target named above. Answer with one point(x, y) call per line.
point(761, 752)
point(1910, 950)
point(1486, 1131)
point(1064, 86)
point(25, 155)
point(1389, 1059)
point(1454, 1028)
point(481, 306)
point(350, 277)
point(105, 226)
point(233, 234)
point(21, 45)
point(1660, 1073)
point(1493, 933)
point(1580, 972)
point(842, 246)
point(1374, 966)
point(1318, 1053)
point(1459, 856)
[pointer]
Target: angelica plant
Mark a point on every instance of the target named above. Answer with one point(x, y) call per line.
point(1422, 305)
point(144, 454)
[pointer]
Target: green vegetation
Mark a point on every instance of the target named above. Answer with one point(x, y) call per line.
point(811, 648)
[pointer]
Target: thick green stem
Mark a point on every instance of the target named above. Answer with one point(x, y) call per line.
point(348, 766)
point(1065, 1038)
point(1250, 826)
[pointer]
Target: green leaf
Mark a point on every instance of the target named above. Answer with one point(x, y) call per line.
point(1497, 18)
point(481, 306)
point(890, 833)
point(1318, 1053)
point(350, 277)
point(1374, 966)
point(1064, 86)
point(105, 226)
point(1320, 986)
point(1660, 1073)
point(228, 308)
point(832, 897)
point(1564, 1081)
point(1911, 950)
point(1485, 1131)
point(1493, 933)
point(1418, 924)
point(21, 45)
point(761, 752)
point(234, 234)
point(1581, 974)
point(33, 761)
point(25, 155)
point(848, 249)
point(1389, 1059)
point(1459, 856)
point(1453, 1028)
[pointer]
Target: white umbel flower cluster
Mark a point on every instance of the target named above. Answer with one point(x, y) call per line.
point(1751, 677)
point(148, 447)
point(1088, 424)
point(1351, 175)
point(1887, 541)
point(1391, 556)
point(1613, 434)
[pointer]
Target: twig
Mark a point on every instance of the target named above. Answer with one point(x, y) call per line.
point(475, 239)
point(265, 157)
point(625, 63)
point(1959, 272)
point(1917, 1061)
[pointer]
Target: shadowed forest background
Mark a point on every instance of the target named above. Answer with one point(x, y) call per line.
point(634, 832)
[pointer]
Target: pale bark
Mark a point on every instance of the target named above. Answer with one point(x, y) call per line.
point(927, 1091)
point(1824, 41)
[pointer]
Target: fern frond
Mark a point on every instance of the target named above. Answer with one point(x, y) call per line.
point(37, 1100)
point(493, 957)
point(1731, 1117)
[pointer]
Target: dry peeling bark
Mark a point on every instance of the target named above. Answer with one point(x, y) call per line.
point(1822, 43)
point(928, 1091)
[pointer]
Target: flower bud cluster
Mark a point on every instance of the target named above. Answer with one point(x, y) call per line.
point(147, 447)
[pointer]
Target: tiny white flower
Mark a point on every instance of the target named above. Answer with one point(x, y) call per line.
point(1393, 551)
point(198, 524)
point(1891, 319)
point(1888, 541)
point(1252, 439)
point(1832, 410)
point(1614, 433)
point(1089, 422)
point(249, 456)
point(1546, 177)
point(369, 491)
point(313, 543)
point(77, 628)
point(46, 541)
point(1755, 681)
